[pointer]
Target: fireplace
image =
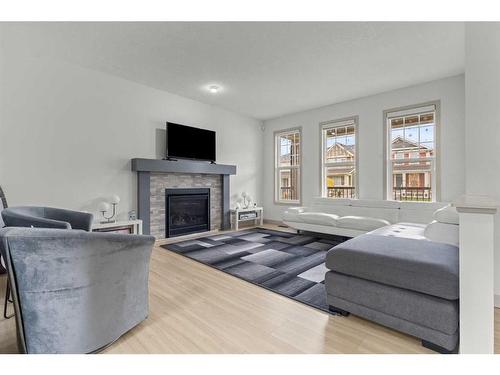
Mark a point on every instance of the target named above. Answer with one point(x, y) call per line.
point(186, 211)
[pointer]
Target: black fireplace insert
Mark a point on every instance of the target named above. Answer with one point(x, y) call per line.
point(187, 211)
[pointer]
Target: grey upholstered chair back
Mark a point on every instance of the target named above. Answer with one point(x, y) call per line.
point(3, 205)
point(74, 291)
point(46, 217)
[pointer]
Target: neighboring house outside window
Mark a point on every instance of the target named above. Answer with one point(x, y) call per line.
point(411, 153)
point(288, 166)
point(339, 158)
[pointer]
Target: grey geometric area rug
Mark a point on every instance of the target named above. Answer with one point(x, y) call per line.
point(290, 264)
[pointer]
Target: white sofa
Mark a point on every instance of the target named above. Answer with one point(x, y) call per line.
point(353, 217)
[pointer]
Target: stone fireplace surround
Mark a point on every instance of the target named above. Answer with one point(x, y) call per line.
point(162, 181)
point(154, 176)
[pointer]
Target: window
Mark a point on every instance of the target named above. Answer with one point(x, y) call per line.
point(411, 154)
point(338, 160)
point(287, 166)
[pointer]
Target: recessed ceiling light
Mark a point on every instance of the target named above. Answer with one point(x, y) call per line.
point(214, 89)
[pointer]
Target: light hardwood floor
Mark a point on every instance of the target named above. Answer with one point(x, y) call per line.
point(196, 309)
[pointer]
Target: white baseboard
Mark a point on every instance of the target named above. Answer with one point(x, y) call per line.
point(275, 222)
point(497, 300)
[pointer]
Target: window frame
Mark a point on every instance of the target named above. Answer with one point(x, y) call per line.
point(435, 161)
point(332, 124)
point(277, 168)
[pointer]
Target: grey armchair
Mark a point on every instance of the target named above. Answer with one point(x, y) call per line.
point(7, 300)
point(75, 291)
point(41, 217)
point(3, 204)
point(46, 217)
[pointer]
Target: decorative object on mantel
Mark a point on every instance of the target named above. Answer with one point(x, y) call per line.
point(105, 206)
point(244, 201)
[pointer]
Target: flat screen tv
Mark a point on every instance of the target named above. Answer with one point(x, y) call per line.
point(186, 142)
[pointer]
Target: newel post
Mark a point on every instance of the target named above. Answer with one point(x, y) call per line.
point(476, 255)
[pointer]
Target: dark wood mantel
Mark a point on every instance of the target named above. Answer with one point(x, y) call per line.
point(144, 168)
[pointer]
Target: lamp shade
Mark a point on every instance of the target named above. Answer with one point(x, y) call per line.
point(114, 199)
point(103, 206)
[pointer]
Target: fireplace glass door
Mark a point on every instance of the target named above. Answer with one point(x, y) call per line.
point(187, 211)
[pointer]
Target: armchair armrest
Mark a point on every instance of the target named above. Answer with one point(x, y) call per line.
point(77, 219)
point(46, 217)
point(31, 217)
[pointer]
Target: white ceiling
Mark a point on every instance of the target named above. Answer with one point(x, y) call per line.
point(265, 69)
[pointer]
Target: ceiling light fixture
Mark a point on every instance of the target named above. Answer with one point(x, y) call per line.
point(214, 89)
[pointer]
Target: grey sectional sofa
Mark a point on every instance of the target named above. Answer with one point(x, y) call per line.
point(408, 284)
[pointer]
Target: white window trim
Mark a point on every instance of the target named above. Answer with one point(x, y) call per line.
point(332, 124)
point(413, 110)
point(277, 168)
point(435, 161)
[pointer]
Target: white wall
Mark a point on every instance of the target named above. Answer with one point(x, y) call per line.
point(68, 133)
point(482, 130)
point(450, 91)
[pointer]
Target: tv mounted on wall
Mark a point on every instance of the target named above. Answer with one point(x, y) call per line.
point(186, 142)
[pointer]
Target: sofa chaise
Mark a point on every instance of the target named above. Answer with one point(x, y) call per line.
point(399, 281)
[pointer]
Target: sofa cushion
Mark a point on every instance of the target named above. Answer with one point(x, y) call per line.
point(361, 222)
point(292, 213)
point(389, 214)
point(442, 232)
point(402, 230)
point(318, 218)
point(418, 212)
point(323, 201)
point(448, 215)
point(420, 265)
